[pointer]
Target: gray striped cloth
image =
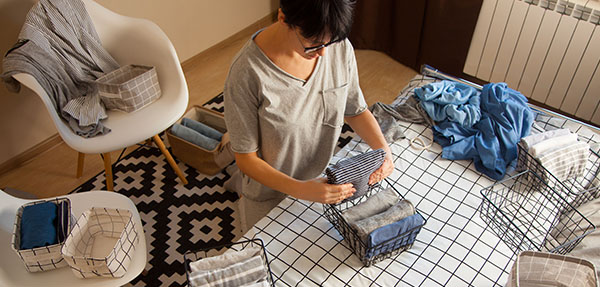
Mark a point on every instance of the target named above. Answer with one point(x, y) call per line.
point(247, 271)
point(356, 170)
point(60, 48)
point(566, 162)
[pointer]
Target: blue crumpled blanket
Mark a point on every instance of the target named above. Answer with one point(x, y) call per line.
point(452, 101)
point(492, 142)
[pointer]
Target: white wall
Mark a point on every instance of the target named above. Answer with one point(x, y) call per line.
point(192, 26)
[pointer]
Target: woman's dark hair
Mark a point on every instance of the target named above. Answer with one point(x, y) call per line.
point(318, 19)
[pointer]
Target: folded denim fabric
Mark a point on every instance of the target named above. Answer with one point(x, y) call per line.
point(376, 203)
point(38, 228)
point(62, 221)
point(243, 272)
point(397, 212)
point(225, 259)
point(202, 128)
point(394, 234)
point(356, 170)
point(194, 137)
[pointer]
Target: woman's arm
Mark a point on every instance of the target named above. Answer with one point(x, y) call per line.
point(366, 126)
point(317, 190)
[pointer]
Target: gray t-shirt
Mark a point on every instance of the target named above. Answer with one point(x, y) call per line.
point(292, 124)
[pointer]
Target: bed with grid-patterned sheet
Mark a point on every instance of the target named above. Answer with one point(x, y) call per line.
point(455, 248)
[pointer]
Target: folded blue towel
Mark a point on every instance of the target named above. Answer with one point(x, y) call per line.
point(194, 137)
point(202, 128)
point(62, 221)
point(394, 235)
point(38, 227)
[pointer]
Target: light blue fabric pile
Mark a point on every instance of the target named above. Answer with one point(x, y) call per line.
point(197, 133)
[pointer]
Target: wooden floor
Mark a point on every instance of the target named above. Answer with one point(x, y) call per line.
point(53, 172)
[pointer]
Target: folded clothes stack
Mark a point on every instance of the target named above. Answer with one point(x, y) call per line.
point(234, 268)
point(559, 152)
point(382, 218)
point(43, 224)
point(197, 133)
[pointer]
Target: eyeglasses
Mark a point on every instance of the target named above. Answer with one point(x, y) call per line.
point(308, 50)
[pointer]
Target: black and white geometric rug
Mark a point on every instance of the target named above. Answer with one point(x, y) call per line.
point(177, 218)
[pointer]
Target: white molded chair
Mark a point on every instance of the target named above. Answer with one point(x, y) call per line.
point(130, 41)
point(12, 271)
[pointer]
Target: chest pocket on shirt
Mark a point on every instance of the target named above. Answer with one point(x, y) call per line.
point(334, 104)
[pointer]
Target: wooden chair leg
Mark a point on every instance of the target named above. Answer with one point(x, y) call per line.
point(108, 171)
point(80, 160)
point(170, 159)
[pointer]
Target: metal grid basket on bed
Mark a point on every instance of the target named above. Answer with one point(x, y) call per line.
point(195, 255)
point(379, 252)
point(527, 214)
point(577, 190)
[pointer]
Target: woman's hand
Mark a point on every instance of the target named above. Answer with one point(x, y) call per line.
point(318, 190)
point(386, 168)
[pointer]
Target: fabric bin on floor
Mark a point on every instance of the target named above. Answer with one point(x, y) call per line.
point(203, 160)
point(40, 258)
point(101, 244)
point(129, 88)
point(534, 268)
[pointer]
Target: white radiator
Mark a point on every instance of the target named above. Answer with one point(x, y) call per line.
point(548, 50)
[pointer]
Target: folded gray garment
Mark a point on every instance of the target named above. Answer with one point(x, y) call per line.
point(356, 170)
point(202, 128)
point(225, 259)
point(398, 211)
point(247, 271)
point(376, 203)
point(194, 137)
point(388, 116)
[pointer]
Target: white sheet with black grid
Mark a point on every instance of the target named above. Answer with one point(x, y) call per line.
point(455, 248)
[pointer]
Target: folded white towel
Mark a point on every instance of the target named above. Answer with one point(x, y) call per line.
point(551, 144)
point(225, 259)
point(530, 140)
point(236, 274)
point(566, 162)
point(376, 203)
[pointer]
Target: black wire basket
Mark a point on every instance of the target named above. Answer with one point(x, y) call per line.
point(527, 214)
point(370, 255)
point(191, 256)
point(577, 190)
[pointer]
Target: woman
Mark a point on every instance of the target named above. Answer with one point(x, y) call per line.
point(287, 95)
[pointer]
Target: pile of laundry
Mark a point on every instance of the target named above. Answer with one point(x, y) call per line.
point(484, 126)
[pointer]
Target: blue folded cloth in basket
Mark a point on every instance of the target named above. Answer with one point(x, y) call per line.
point(194, 137)
point(393, 235)
point(38, 226)
point(202, 128)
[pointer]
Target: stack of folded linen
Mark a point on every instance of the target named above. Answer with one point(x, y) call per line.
point(233, 268)
point(197, 133)
point(382, 218)
point(559, 152)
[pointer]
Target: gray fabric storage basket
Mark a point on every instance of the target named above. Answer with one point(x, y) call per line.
point(129, 88)
point(40, 258)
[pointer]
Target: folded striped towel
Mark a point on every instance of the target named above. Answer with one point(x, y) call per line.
point(551, 144)
point(244, 272)
point(566, 162)
point(356, 170)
